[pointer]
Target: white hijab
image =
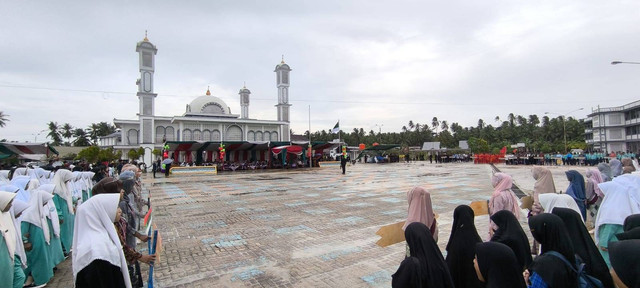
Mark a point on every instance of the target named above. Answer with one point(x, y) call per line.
point(21, 182)
point(17, 208)
point(96, 236)
point(37, 212)
point(621, 199)
point(4, 177)
point(78, 184)
point(22, 171)
point(87, 176)
point(32, 173)
point(60, 180)
point(7, 228)
point(42, 175)
point(548, 201)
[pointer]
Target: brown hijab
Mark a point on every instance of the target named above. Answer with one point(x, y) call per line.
point(107, 185)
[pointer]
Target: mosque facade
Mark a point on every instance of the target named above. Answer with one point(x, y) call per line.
point(206, 119)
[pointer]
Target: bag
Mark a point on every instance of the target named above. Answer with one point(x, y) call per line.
point(584, 280)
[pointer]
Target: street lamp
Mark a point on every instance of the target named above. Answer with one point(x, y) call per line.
point(380, 131)
point(564, 125)
point(623, 62)
point(35, 137)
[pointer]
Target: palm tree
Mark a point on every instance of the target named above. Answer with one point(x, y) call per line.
point(3, 119)
point(54, 133)
point(67, 132)
point(411, 125)
point(82, 139)
point(444, 125)
point(435, 123)
point(497, 119)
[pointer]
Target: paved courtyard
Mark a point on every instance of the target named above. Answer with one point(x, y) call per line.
point(302, 228)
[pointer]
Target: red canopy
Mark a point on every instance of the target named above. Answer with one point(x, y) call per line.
point(293, 149)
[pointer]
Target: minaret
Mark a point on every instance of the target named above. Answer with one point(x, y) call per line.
point(282, 81)
point(146, 97)
point(244, 102)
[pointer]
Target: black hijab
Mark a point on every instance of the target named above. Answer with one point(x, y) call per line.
point(498, 266)
point(433, 270)
point(632, 221)
point(511, 234)
point(549, 230)
point(631, 234)
point(625, 260)
point(584, 246)
point(408, 274)
point(461, 248)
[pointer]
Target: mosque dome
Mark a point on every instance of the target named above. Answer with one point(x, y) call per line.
point(208, 105)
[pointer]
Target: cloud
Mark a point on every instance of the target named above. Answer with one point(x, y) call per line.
point(362, 62)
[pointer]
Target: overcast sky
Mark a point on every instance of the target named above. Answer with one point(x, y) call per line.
point(363, 62)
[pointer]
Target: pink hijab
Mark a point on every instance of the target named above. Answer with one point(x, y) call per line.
point(420, 209)
point(503, 198)
point(596, 177)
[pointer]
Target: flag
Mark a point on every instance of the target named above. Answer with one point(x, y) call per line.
point(336, 128)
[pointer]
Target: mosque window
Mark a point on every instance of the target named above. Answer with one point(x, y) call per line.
point(146, 59)
point(197, 135)
point(212, 108)
point(251, 136)
point(132, 136)
point(259, 136)
point(234, 133)
point(274, 136)
point(170, 132)
point(206, 135)
point(215, 135)
point(285, 77)
point(187, 135)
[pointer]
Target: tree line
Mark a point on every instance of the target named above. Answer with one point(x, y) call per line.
point(67, 135)
point(540, 135)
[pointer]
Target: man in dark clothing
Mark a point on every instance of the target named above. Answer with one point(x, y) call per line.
point(343, 163)
point(154, 168)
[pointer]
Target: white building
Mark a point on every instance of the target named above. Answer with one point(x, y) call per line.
point(207, 118)
point(614, 129)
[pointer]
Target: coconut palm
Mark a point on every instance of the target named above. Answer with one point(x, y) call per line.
point(54, 133)
point(3, 119)
point(67, 132)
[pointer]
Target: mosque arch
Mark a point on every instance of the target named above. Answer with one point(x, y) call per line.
point(259, 136)
point(197, 135)
point(215, 135)
point(187, 135)
point(267, 136)
point(234, 133)
point(170, 133)
point(274, 136)
point(206, 135)
point(132, 136)
point(251, 136)
point(160, 133)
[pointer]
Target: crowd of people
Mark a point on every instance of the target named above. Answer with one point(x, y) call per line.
point(51, 213)
point(554, 159)
point(563, 252)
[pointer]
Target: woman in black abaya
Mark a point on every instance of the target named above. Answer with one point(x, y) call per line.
point(496, 265)
point(549, 230)
point(584, 246)
point(461, 248)
point(625, 263)
point(433, 271)
point(511, 234)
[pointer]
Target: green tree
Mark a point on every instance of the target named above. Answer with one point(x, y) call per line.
point(82, 139)
point(90, 154)
point(4, 118)
point(67, 132)
point(54, 133)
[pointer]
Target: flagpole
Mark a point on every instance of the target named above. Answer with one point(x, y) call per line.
point(310, 152)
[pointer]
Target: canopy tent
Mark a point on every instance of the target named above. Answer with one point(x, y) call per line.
point(24, 149)
point(242, 149)
point(293, 149)
point(382, 147)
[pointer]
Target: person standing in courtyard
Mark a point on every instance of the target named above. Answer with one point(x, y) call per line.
point(343, 163)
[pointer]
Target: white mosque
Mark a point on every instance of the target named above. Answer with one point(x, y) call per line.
point(206, 122)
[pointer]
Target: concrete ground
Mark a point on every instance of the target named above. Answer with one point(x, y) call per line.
point(303, 228)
